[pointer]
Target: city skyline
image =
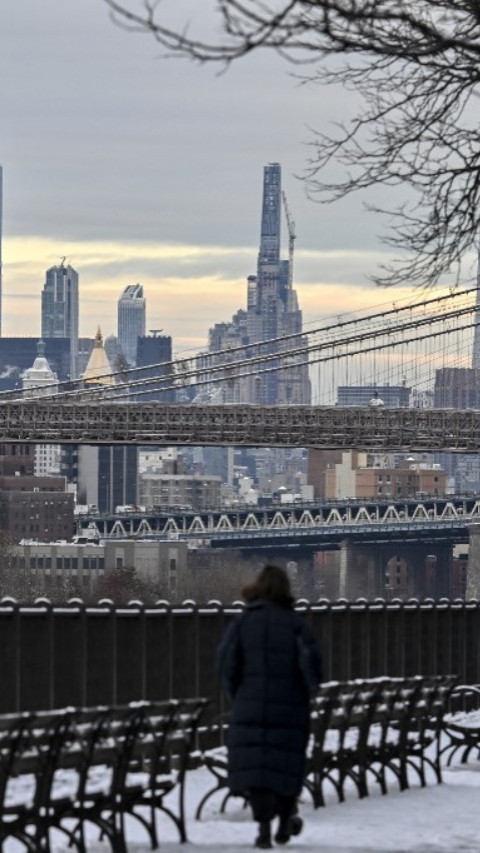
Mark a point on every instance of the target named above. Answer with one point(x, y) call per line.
point(136, 168)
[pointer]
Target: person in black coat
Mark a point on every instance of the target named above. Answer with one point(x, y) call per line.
point(269, 667)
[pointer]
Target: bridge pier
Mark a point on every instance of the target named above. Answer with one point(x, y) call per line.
point(395, 570)
point(358, 571)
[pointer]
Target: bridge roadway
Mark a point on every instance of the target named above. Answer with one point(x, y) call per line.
point(59, 420)
point(359, 522)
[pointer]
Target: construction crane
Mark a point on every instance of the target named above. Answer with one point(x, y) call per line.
point(291, 238)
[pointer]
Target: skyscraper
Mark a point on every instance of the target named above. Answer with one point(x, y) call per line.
point(274, 313)
point(155, 350)
point(131, 320)
point(40, 380)
point(272, 320)
point(60, 309)
point(106, 475)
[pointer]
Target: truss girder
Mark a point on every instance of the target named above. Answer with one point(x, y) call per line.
point(377, 429)
point(350, 517)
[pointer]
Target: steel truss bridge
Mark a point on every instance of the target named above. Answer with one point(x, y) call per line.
point(328, 524)
point(56, 421)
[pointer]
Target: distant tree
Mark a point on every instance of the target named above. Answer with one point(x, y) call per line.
point(15, 583)
point(416, 64)
point(123, 585)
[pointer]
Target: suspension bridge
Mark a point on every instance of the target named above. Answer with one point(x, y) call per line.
point(407, 346)
point(373, 429)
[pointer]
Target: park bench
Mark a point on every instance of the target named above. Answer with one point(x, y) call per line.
point(361, 730)
point(461, 724)
point(63, 769)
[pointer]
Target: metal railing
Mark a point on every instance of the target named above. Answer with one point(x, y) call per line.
point(53, 655)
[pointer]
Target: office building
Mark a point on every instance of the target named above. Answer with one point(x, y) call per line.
point(106, 475)
point(131, 321)
point(18, 355)
point(36, 508)
point(273, 313)
point(154, 355)
point(459, 388)
point(32, 507)
point(271, 324)
point(39, 380)
point(394, 396)
point(357, 476)
point(73, 568)
point(60, 309)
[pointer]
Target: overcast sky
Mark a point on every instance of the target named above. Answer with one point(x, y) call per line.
point(138, 168)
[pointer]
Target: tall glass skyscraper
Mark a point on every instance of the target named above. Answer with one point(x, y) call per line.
point(131, 321)
point(272, 321)
point(60, 309)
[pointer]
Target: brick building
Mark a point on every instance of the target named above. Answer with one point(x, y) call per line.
point(356, 476)
point(36, 508)
point(32, 507)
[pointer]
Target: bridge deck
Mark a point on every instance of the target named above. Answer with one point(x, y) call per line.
point(435, 520)
point(379, 429)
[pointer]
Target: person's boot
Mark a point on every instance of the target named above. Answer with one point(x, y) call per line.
point(296, 824)
point(288, 826)
point(264, 840)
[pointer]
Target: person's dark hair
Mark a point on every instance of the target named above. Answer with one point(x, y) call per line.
point(273, 584)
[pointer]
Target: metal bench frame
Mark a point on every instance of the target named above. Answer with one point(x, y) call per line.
point(459, 733)
point(360, 729)
point(144, 748)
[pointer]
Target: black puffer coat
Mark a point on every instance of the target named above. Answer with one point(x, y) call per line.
point(269, 665)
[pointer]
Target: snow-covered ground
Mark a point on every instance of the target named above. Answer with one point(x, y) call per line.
point(436, 818)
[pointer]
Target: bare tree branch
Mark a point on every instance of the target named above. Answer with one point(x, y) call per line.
point(415, 63)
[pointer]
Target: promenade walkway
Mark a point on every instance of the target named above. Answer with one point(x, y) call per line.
point(437, 819)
